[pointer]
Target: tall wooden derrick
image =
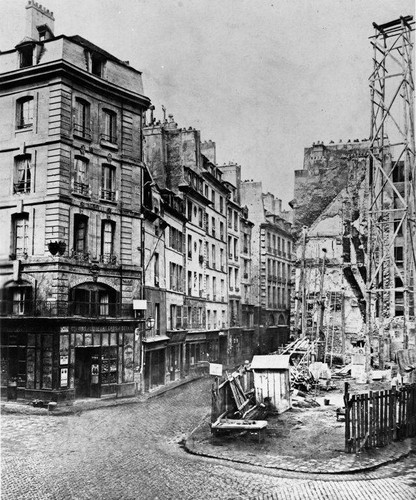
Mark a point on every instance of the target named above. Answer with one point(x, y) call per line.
point(391, 176)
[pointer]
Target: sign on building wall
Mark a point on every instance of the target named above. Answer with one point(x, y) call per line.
point(215, 369)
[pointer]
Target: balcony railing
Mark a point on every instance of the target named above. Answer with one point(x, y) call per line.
point(108, 258)
point(60, 308)
point(81, 188)
point(21, 187)
point(82, 131)
point(108, 194)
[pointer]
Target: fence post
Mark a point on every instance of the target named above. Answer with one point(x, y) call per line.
point(347, 417)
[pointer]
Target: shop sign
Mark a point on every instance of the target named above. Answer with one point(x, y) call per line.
point(64, 377)
point(215, 369)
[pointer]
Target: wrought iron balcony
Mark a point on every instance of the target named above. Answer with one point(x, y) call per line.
point(60, 308)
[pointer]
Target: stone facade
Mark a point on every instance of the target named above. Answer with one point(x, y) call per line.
point(71, 169)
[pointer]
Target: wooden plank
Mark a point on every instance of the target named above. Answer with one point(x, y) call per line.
point(366, 419)
point(359, 430)
point(371, 420)
point(347, 417)
point(353, 423)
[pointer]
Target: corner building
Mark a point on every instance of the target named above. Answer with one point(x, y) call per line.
point(71, 181)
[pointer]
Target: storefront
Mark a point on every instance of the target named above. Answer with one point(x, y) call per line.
point(175, 356)
point(50, 361)
point(154, 362)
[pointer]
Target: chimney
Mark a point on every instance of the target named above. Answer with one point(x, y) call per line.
point(40, 22)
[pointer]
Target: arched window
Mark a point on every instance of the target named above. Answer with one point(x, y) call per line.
point(281, 320)
point(94, 299)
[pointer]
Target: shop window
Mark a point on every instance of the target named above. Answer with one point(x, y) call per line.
point(109, 132)
point(94, 299)
point(20, 236)
point(107, 241)
point(80, 184)
point(23, 174)
point(80, 234)
point(109, 365)
point(24, 112)
point(108, 183)
point(26, 56)
point(82, 126)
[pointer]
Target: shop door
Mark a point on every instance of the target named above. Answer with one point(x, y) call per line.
point(87, 369)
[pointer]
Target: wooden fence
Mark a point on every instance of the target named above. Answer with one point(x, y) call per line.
point(377, 418)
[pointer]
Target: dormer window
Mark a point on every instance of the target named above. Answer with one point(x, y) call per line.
point(97, 65)
point(26, 56)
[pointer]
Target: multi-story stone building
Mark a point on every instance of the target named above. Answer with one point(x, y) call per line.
point(271, 264)
point(71, 170)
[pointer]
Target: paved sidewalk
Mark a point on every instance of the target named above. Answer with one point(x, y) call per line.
point(78, 406)
point(200, 442)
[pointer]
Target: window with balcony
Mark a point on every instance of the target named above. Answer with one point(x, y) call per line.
point(80, 235)
point(23, 174)
point(20, 235)
point(80, 179)
point(24, 112)
point(107, 241)
point(108, 183)
point(82, 126)
point(109, 127)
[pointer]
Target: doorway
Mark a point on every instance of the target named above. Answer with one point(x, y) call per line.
point(87, 372)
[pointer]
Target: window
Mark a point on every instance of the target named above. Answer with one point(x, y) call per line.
point(93, 299)
point(214, 257)
point(235, 249)
point(80, 234)
point(175, 316)
point(108, 176)
point(398, 172)
point(107, 241)
point(189, 282)
point(189, 210)
point(176, 239)
point(80, 185)
point(200, 217)
point(230, 218)
point(213, 197)
point(222, 259)
point(156, 268)
point(157, 318)
point(97, 65)
point(189, 246)
point(235, 221)
point(22, 174)
point(26, 56)
point(398, 226)
point(221, 204)
point(207, 253)
point(82, 119)
point(398, 255)
point(221, 231)
point(21, 235)
point(213, 226)
point(24, 113)
point(214, 288)
point(109, 126)
point(176, 277)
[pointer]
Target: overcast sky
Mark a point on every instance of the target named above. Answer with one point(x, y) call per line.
point(263, 79)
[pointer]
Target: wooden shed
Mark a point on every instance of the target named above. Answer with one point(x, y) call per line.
point(272, 380)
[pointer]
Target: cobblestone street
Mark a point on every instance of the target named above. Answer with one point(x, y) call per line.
point(133, 452)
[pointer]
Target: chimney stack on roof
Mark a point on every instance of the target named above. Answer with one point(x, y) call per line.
point(37, 18)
